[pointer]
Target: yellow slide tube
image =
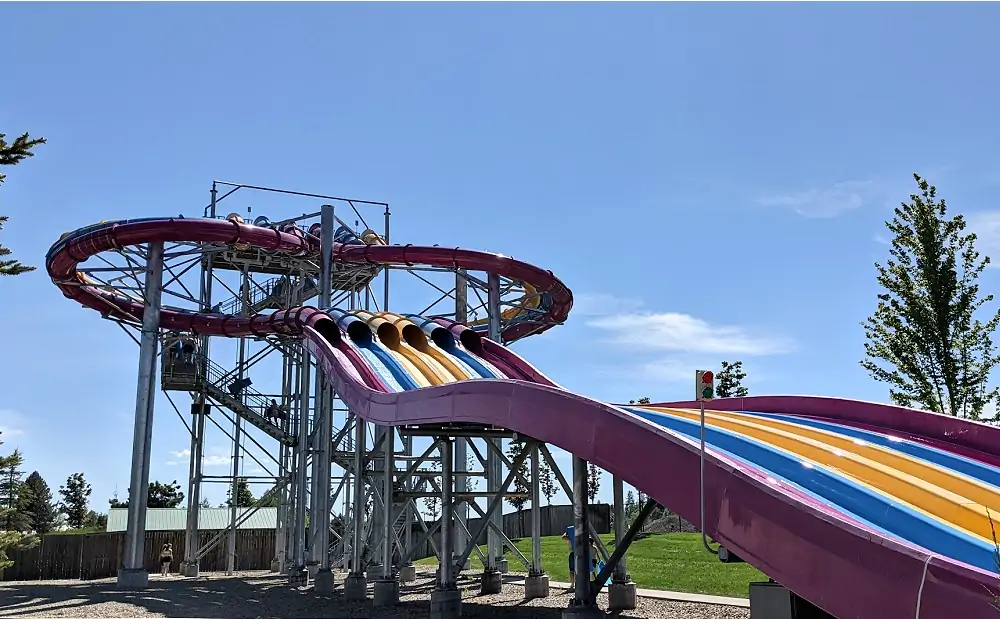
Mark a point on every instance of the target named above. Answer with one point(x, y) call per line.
point(389, 334)
point(939, 502)
point(416, 338)
point(531, 301)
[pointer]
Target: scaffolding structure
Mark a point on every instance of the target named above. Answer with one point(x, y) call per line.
point(346, 491)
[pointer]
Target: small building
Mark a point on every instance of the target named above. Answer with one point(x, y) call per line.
point(209, 518)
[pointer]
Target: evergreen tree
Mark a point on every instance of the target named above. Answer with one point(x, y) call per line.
point(631, 508)
point(546, 481)
point(205, 504)
point(75, 495)
point(36, 504)
point(12, 540)
point(729, 381)
point(164, 495)
point(244, 497)
point(593, 481)
point(13, 153)
point(925, 339)
point(11, 489)
point(432, 504)
point(515, 448)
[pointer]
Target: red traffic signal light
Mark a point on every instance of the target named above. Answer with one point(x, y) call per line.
point(707, 378)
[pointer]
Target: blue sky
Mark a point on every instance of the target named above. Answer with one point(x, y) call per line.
point(710, 179)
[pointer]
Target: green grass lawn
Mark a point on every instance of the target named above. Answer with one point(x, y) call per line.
point(666, 561)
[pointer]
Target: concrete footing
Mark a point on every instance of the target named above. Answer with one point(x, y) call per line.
point(583, 612)
point(491, 582)
point(536, 586)
point(386, 592)
point(355, 587)
point(298, 576)
point(191, 570)
point(133, 579)
point(503, 565)
point(313, 569)
point(407, 573)
point(323, 585)
point(446, 604)
point(276, 565)
point(622, 596)
point(374, 572)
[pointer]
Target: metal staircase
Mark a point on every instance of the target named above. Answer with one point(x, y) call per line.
point(195, 373)
point(248, 404)
point(271, 294)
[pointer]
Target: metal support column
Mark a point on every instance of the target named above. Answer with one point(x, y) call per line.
point(320, 519)
point(461, 446)
point(536, 585)
point(386, 592)
point(581, 537)
point(536, 514)
point(494, 464)
point(133, 574)
point(356, 585)
point(300, 574)
point(446, 599)
point(621, 571)
point(190, 566)
point(238, 433)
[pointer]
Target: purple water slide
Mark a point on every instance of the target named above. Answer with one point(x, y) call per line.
point(812, 549)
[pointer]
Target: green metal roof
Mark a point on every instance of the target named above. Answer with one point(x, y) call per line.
point(209, 519)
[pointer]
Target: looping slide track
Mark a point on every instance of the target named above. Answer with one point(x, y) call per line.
point(809, 535)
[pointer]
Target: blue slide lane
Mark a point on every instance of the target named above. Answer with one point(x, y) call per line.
point(374, 360)
point(387, 360)
point(860, 501)
point(976, 470)
point(475, 366)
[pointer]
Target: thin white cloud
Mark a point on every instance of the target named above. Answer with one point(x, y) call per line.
point(12, 423)
point(823, 203)
point(880, 239)
point(215, 457)
point(986, 225)
point(676, 332)
point(603, 304)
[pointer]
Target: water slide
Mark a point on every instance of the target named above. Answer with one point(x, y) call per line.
point(866, 510)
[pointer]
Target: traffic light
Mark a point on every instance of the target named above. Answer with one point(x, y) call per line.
point(704, 384)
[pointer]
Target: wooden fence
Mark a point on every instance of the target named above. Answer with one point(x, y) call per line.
point(99, 555)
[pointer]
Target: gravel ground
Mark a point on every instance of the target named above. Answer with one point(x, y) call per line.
point(264, 595)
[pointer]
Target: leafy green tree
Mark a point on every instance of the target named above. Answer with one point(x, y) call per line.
point(244, 497)
point(925, 339)
point(164, 495)
point(13, 153)
point(96, 521)
point(640, 401)
point(35, 503)
point(11, 491)
point(76, 494)
point(729, 381)
point(158, 495)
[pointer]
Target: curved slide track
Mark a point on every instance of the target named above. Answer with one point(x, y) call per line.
point(866, 510)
